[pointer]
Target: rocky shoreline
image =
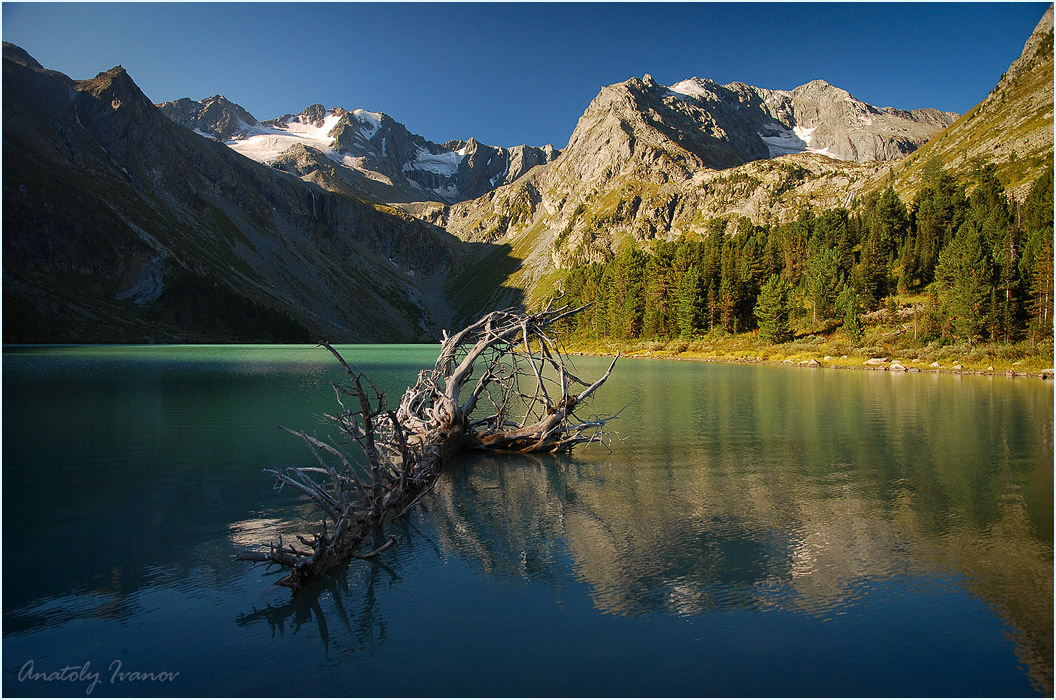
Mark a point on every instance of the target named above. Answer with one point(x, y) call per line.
point(873, 364)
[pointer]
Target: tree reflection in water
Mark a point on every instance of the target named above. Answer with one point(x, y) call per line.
point(692, 541)
point(347, 597)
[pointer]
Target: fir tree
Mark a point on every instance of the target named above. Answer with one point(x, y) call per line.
point(822, 278)
point(852, 314)
point(964, 280)
point(772, 311)
point(690, 303)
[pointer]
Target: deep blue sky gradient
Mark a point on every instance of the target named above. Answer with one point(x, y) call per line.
point(511, 73)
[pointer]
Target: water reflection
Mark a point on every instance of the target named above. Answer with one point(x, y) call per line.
point(346, 601)
point(692, 541)
point(852, 508)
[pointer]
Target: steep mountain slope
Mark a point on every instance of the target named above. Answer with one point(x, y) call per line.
point(112, 213)
point(370, 151)
point(648, 161)
point(1011, 128)
point(119, 220)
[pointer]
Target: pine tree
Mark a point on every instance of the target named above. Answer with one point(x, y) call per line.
point(1036, 263)
point(849, 305)
point(659, 321)
point(890, 225)
point(1041, 306)
point(690, 304)
point(713, 305)
point(730, 289)
point(822, 279)
point(938, 210)
point(772, 311)
point(964, 281)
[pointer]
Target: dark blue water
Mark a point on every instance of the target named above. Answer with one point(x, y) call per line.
point(752, 531)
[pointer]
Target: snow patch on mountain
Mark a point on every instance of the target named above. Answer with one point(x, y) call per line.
point(500, 176)
point(692, 87)
point(371, 122)
point(445, 164)
point(348, 161)
point(264, 143)
point(782, 141)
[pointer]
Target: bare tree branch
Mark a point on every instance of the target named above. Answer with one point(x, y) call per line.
point(404, 450)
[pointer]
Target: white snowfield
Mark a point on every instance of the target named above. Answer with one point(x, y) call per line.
point(794, 140)
point(371, 122)
point(445, 164)
point(692, 87)
point(264, 143)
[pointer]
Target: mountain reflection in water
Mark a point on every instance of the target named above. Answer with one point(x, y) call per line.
point(694, 541)
point(755, 531)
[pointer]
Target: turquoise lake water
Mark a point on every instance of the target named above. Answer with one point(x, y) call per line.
point(753, 530)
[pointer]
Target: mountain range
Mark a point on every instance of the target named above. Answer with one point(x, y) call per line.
point(368, 151)
point(126, 221)
point(120, 225)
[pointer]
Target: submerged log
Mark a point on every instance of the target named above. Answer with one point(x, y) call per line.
point(531, 399)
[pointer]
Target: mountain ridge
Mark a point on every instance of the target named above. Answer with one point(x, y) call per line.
point(648, 162)
point(625, 179)
point(328, 226)
point(1011, 127)
point(105, 199)
point(383, 158)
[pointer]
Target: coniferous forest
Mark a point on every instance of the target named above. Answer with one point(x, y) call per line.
point(974, 263)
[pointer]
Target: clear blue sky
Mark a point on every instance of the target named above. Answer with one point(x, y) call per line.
point(511, 73)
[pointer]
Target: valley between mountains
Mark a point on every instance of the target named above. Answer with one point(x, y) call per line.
point(196, 221)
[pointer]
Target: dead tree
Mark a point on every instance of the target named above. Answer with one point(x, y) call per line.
point(507, 361)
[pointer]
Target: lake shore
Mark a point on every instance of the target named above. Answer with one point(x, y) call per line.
point(1031, 366)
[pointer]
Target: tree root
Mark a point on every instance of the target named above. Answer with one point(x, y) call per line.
point(523, 379)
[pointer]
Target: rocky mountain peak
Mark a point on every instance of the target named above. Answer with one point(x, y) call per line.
point(363, 150)
point(216, 117)
point(671, 131)
point(314, 114)
point(116, 88)
point(20, 56)
point(822, 91)
point(1037, 48)
point(818, 85)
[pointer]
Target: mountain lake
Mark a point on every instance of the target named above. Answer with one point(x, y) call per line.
point(753, 531)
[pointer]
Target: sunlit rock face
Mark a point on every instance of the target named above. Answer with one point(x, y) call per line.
point(368, 150)
point(648, 161)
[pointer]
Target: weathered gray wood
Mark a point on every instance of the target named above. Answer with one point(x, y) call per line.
point(405, 450)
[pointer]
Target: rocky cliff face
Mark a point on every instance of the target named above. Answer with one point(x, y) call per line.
point(369, 149)
point(214, 116)
point(698, 123)
point(649, 161)
point(106, 200)
point(820, 118)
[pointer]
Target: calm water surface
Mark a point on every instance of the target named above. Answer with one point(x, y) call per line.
point(754, 531)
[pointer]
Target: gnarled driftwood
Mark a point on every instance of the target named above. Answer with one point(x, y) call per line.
point(521, 376)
